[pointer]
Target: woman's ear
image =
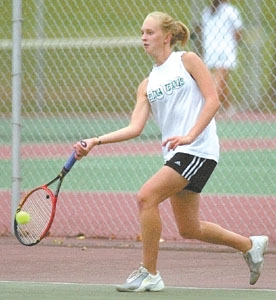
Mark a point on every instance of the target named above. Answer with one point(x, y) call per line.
point(168, 38)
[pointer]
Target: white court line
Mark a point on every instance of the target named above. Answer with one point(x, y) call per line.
point(113, 285)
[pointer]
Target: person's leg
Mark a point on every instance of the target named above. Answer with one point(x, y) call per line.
point(221, 80)
point(161, 186)
point(185, 207)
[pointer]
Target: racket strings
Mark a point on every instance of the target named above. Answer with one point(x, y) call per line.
point(39, 206)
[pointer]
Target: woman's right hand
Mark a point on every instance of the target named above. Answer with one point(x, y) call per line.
point(83, 147)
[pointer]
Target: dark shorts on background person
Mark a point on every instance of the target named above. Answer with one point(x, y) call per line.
point(196, 170)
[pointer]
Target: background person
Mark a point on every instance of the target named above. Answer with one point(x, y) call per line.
point(221, 26)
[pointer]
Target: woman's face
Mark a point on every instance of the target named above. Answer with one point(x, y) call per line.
point(153, 38)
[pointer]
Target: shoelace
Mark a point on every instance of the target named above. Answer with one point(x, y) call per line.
point(135, 274)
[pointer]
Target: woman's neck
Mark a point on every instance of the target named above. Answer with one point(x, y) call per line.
point(162, 57)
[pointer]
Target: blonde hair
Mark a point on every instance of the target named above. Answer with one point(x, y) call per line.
point(180, 32)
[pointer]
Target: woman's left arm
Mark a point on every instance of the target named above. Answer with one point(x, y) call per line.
point(198, 70)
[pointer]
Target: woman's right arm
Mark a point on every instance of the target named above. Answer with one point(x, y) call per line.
point(137, 123)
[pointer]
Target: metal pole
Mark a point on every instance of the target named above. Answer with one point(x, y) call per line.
point(196, 9)
point(40, 7)
point(255, 39)
point(16, 103)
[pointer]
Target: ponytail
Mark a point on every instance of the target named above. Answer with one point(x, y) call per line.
point(180, 34)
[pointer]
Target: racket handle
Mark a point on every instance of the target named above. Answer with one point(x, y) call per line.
point(70, 162)
point(72, 159)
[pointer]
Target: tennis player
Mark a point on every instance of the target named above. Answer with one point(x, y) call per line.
point(182, 96)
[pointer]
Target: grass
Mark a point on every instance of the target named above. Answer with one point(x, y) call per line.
point(89, 80)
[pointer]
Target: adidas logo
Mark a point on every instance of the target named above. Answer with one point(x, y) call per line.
point(178, 163)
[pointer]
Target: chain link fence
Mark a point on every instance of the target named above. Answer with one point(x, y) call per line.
point(82, 62)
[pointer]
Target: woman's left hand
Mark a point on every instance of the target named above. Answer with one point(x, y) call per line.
point(177, 141)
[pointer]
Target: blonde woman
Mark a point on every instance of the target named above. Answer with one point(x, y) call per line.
point(182, 96)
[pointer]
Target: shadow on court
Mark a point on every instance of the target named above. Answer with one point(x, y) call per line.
point(89, 269)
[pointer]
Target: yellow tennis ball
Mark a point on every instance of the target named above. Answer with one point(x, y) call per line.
point(22, 217)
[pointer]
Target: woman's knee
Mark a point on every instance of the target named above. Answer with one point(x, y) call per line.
point(145, 199)
point(190, 233)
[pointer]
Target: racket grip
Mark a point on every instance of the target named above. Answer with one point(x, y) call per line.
point(70, 162)
point(72, 159)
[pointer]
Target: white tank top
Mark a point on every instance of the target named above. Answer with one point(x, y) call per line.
point(176, 102)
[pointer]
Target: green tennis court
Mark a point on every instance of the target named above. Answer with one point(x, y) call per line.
point(109, 177)
point(105, 173)
point(59, 129)
point(81, 71)
point(101, 173)
point(61, 291)
point(90, 269)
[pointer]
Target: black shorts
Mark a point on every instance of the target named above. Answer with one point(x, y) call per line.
point(196, 170)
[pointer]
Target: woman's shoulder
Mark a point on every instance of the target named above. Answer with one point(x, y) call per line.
point(189, 56)
point(144, 81)
point(143, 84)
point(191, 61)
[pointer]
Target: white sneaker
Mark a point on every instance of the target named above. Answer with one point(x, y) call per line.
point(255, 256)
point(141, 281)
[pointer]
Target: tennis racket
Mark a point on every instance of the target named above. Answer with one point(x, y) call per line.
point(40, 203)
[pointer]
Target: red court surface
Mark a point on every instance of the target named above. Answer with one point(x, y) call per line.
point(95, 261)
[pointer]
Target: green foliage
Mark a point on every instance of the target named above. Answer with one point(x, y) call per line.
point(90, 80)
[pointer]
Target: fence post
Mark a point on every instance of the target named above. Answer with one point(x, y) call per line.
point(16, 103)
point(255, 40)
point(39, 59)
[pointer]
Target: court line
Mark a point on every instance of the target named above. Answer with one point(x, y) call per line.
point(113, 285)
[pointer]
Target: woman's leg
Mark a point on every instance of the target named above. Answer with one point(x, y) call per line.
point(221, 78)
point(161, 186)
point(185, 207)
